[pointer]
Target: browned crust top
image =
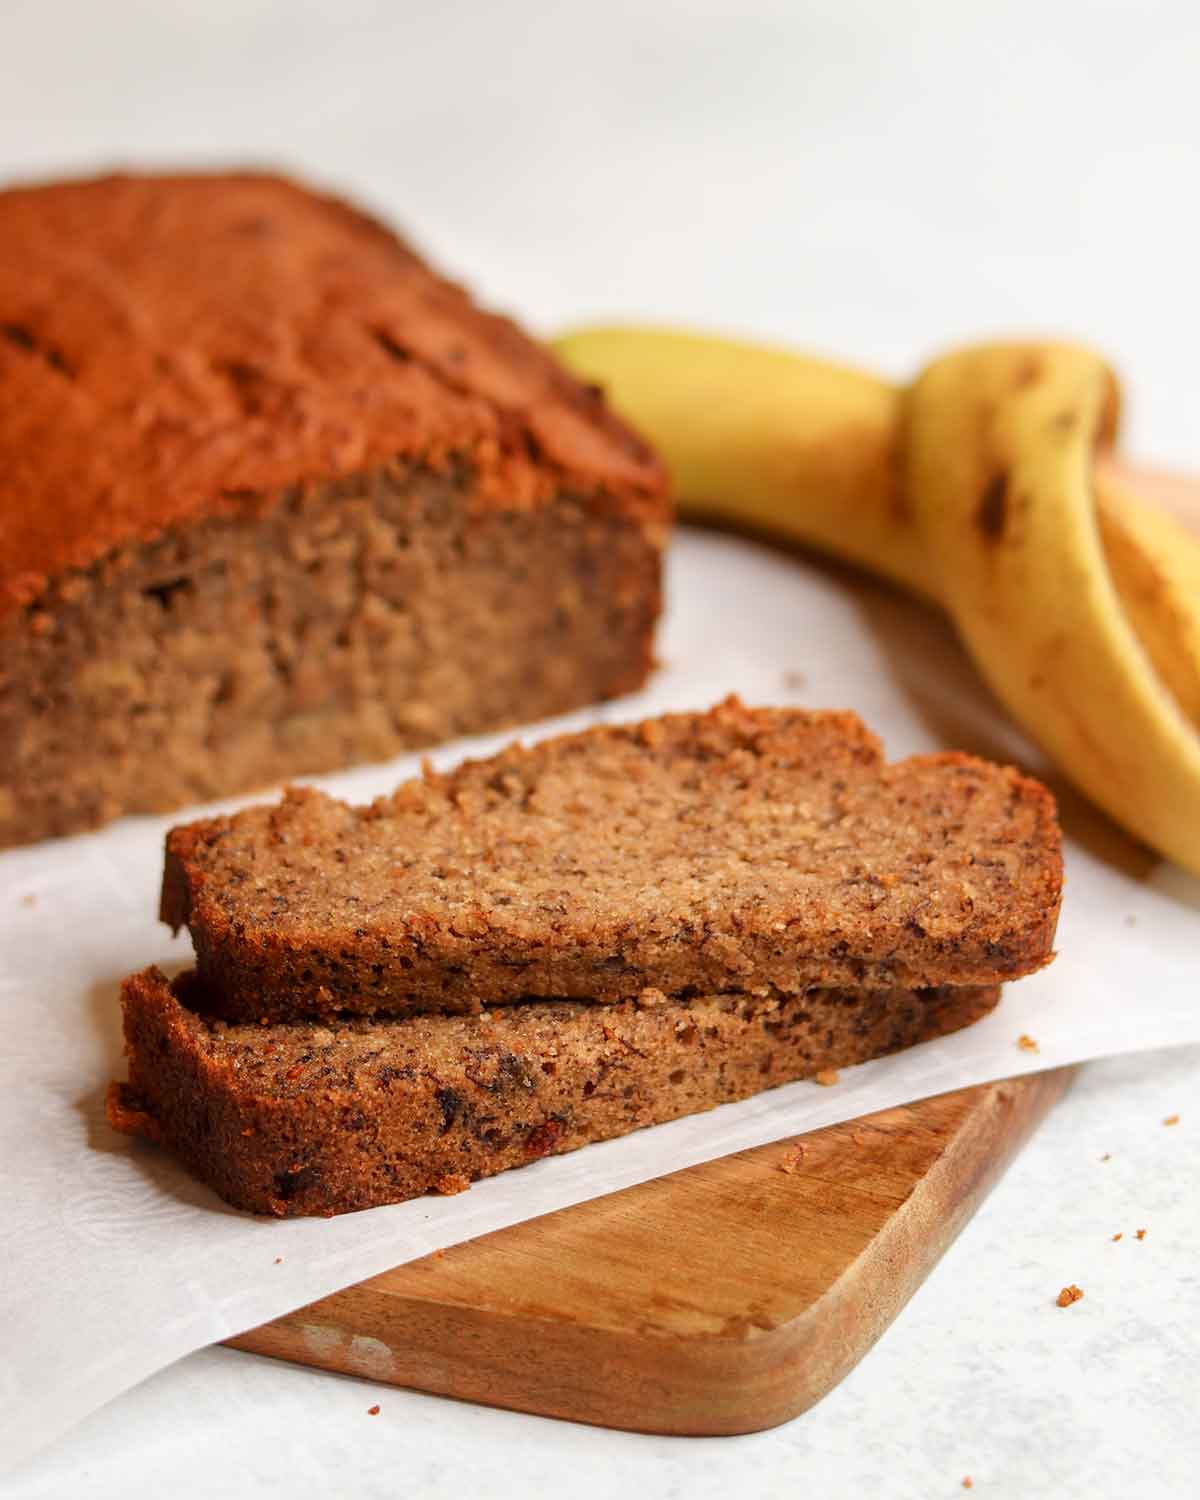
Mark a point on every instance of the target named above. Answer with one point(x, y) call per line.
point(179, 346)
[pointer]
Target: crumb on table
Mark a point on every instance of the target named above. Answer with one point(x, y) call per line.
point(1140, 1235)
point(968, 1482)
point(793, 1160)
point(1107, 1156)
point(1068, 1295)
point(1117, 1236)
point(826, 1077)
point(1026, 1043)
point(372, 1411)
point(1171, 1120)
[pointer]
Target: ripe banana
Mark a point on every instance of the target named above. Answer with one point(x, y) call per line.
point(987, 486)
point(761, 437)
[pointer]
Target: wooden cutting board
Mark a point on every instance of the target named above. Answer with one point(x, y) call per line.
point(722, 1299)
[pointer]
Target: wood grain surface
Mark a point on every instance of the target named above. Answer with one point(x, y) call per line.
point(721, 1299)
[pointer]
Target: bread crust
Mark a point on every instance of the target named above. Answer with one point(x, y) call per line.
point(187, 346)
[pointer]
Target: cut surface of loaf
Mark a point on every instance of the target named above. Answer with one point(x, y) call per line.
point(730, 851)
point(275, 497)
point(313, 1118)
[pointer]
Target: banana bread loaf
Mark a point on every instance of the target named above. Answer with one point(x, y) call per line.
point(734, 850)
point(321, 1118)
point(274, 497)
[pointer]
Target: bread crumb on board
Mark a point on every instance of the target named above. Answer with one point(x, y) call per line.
point(968, 1482)
point(1140, 1235)
point(1171, 1120)
point(1068, 1295)
point(1117, 1236)
point(372, 1411)
point(826, 1077)
point(1107, 1156)
point(793, 1161)
point(1027, 1043)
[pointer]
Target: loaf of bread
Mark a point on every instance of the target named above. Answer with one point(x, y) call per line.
point(274, 497)
point(325, 1117)
point(741, 849)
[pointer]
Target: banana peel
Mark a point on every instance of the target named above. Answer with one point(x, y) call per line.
point(987, 486)
point(999, 460)
point(765, 438)
point(1155, 567)
point(761, 437)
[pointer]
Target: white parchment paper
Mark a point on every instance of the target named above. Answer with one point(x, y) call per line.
point(113, 1262)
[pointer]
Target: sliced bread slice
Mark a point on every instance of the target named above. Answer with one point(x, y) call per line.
point(737, 850)
point(312, 1118)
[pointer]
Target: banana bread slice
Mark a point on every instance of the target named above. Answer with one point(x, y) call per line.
point(735, 850)
point(275, 497)
point(312, 1118)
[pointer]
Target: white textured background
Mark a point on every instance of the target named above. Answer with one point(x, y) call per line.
point(872, 180)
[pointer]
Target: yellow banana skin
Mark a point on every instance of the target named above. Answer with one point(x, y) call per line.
point(764, 438)
point(983, 486)
point(999, 463)
point(1155, 567)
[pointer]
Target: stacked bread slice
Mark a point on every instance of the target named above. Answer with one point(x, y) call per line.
point(562, 943)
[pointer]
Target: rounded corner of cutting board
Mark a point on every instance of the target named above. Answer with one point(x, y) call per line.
point(727, 1298)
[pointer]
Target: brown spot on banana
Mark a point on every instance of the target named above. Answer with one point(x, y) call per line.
point(993, 508)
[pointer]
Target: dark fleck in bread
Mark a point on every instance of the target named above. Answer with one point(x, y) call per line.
point(698, 853)
point(274, 497)
point(311, 1118)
